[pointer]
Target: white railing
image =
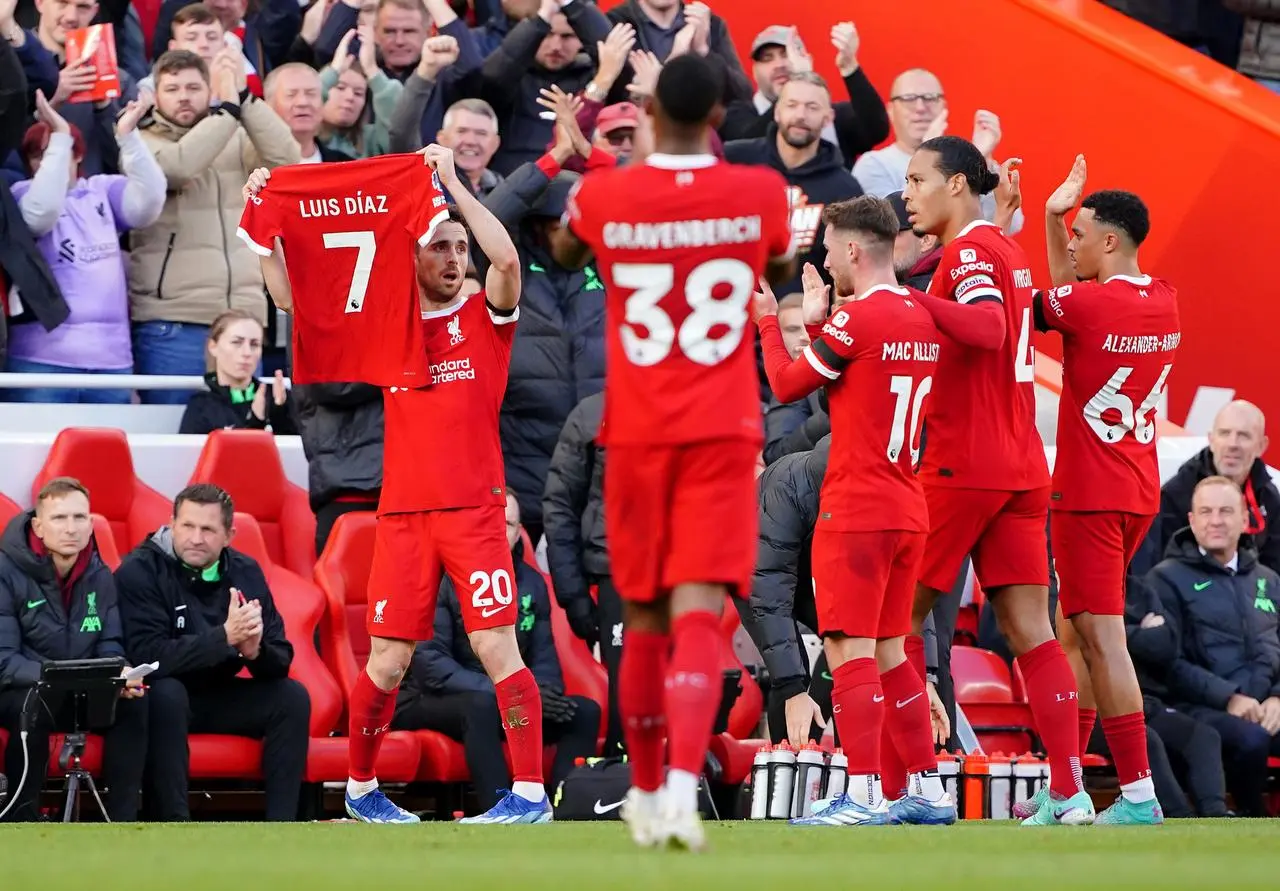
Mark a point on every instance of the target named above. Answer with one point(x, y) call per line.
point(38, 379)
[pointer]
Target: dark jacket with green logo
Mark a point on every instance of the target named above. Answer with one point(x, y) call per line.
point(557, 359)
point(446, 664)
point(219, 408)
point(1225, 623)
point(35, 625)
point(174, 615)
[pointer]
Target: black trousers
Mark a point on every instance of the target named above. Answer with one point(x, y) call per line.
point(1245, 749)
point(1195, 751)
point(609, 617)
point(328, 514)
point(277, 712)
point(472, 719)
point(123, 759)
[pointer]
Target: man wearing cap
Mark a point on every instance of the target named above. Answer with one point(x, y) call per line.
point(859, 125)
point(615, 130)
point(914, 257)
point(558, 356)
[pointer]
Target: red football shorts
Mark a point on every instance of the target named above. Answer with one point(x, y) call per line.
point(864, 583)
point(1004, 533)
point(1091, 554)
point(411, 550)
point(681, 513)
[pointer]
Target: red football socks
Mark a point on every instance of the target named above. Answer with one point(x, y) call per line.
point(857, 704)
point(693, 689)
point(370, 718)
point(1054, 700)
point(641, 676)
point(907, 717)
point(520, 706)
point(914, 645)
point(1127, 739)
point(1088, 716)
point(893, 775)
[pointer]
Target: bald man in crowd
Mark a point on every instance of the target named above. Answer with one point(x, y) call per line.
point(917, 109)
point(1236, 443)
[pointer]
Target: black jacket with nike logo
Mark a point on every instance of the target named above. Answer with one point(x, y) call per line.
point(35, 624)
point(1225, 623)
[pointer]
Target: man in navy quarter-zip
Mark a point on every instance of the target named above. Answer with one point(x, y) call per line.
point(57, 602)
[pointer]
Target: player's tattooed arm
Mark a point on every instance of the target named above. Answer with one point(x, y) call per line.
point(1057, 236)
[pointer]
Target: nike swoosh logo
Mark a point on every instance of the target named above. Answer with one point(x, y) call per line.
point(601, 808)
point(903, 703)
point(826, 676)
point(1200, 586)
point(877, 699)
point(492, 611)
point(32, 604)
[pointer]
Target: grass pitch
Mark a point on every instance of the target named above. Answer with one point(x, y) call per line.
point(743, 856)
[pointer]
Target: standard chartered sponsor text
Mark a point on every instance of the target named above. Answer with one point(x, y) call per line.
point(452, 370)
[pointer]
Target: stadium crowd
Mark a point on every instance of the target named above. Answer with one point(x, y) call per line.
point(119, 239)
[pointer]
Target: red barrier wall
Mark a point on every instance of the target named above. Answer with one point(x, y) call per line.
point(1198, 142)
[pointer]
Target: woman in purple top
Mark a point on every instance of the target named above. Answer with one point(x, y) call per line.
point(77, 223)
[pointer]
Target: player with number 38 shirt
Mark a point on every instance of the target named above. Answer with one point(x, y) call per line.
point(680, 240)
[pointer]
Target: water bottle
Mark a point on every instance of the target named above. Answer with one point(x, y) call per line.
point(760, 783)
point(949, 773)
point(810, 767)
point(975, 785)
point(1001, 788)
point(1027, 770)
point(837, 775)
point(782, 777)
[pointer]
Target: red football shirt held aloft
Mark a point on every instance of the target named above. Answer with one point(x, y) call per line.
point(681, 242)
point(880, 353)
point(982, 429)
point(350, 233)
point(440, 443)
point(1118, 344)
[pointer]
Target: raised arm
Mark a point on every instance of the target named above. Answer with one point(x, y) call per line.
point(502, 283)
point(1056, 234)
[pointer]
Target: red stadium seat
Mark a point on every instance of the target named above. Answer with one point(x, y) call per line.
point(744, 718)
point(247, 464)
point(99, 457)
point(342, 573)
point(735, 756)
point(301, 606)
point(106, 540)
point(985, 692)
point(8, 509)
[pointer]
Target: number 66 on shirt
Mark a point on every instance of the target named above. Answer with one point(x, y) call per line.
point(350, 232)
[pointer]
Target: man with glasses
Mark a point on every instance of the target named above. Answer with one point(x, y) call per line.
point(918, 112)
point(615, 130)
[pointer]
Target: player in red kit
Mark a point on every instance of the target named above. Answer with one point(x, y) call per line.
point(680, 240)
point(443, 504)
point(984, 471)
point(877, 357)
point(1120, 332)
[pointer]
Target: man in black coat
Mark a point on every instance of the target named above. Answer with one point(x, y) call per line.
point(204, 612)
point(341, 430)
point(577, 550)
point(1220, 602)
point(1237, 442)
point(447, 689)
point(57, 602)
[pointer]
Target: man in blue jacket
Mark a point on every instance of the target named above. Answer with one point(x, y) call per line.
point(447, 690)
point(58, 601)
point(1220, 602)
